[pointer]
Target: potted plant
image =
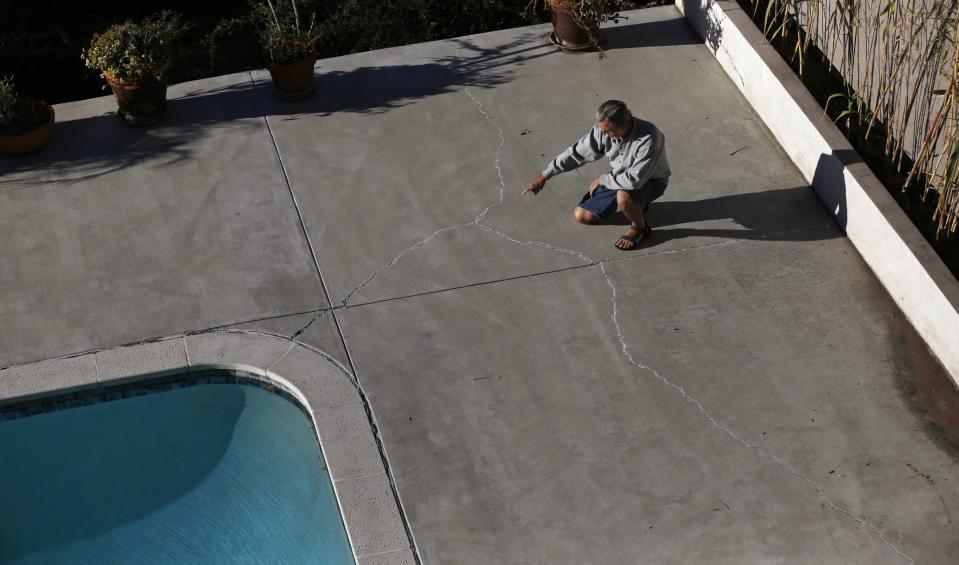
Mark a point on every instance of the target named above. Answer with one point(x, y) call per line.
point(25, 122)
point(287, 41)
point(134, 58)
point(576, 22)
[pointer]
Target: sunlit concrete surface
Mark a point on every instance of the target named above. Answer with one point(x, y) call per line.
point(738, 390)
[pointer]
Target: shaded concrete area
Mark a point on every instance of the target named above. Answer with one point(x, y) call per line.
point(114, 235)
point(739, 390)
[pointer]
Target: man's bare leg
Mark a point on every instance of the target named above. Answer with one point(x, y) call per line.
point(635, 215)
point(584, 216)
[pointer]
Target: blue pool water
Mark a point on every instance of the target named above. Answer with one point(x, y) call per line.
point(214, 473)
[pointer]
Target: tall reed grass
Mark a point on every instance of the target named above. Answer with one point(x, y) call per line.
point(899, 62)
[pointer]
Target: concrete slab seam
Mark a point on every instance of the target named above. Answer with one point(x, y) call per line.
point(351, 374)
point(631, 257)
point(186, 351)
point(377, 438)
point(477, 220)
point(625, 348)
point(280, 358)
point(289, 186)
point(392, 262)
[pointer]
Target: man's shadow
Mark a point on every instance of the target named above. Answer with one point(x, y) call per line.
point(784, 214)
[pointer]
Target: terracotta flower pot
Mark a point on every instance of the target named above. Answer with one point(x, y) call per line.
point(566, 32)
point(29, 141)
point(141, 100)
point(293, 81)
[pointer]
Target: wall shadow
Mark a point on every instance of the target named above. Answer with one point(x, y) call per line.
point(830, 182)
point(663, 33)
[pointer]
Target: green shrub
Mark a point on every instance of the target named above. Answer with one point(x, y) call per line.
point(134, 49)
point(286, 32)
point(19, 113)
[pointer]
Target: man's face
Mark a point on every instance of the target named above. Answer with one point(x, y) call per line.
point(617, 133)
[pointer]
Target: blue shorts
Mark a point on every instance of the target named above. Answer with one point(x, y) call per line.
point(603, 201)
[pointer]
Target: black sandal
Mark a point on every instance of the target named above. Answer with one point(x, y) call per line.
point(635, 240)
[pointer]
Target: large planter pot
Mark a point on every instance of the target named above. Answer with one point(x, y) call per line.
point(29, 141)
point(567, 34)
point(141, 100)
point(293, 81)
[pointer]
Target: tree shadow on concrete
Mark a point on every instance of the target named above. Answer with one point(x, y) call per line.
point(95, 146)
point(374, 90)
point(92, 147)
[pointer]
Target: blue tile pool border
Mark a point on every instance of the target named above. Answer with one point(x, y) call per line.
point(321, 388)
point(14, 410)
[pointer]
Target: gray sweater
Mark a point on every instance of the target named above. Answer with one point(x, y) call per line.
point(641, 156)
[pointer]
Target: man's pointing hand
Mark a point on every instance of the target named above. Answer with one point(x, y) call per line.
point(535, 185)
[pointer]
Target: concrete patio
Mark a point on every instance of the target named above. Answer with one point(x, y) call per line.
point(739, 390)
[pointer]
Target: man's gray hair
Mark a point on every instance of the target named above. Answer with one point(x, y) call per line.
point(614, 112)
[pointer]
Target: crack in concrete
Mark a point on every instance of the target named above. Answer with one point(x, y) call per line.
point(724, 428)
point(396, 259)
point(478, 221)
point(306, 327)
point(496, 162)
point(339, 330)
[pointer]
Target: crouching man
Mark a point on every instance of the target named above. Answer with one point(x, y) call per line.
point(639, 171)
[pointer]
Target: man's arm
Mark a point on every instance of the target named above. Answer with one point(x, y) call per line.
point(535, 185)
point(589, 148)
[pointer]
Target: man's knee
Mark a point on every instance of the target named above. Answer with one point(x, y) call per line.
point(622, 200)
point(584, 216)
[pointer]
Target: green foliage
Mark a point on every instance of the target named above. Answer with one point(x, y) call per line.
point(134, 49)
point(286, 31)
point(899, 65)
point(19, 113)
point(587, 14)
point(363, 25)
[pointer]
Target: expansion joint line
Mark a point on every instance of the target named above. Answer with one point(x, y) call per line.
point(479, 221)
point(339, 331)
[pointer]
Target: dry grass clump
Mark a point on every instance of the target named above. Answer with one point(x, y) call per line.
point(900, 65)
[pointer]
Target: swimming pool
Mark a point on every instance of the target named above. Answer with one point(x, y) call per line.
point(189, 472)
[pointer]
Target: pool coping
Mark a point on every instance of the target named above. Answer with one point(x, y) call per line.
point(326, 390)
